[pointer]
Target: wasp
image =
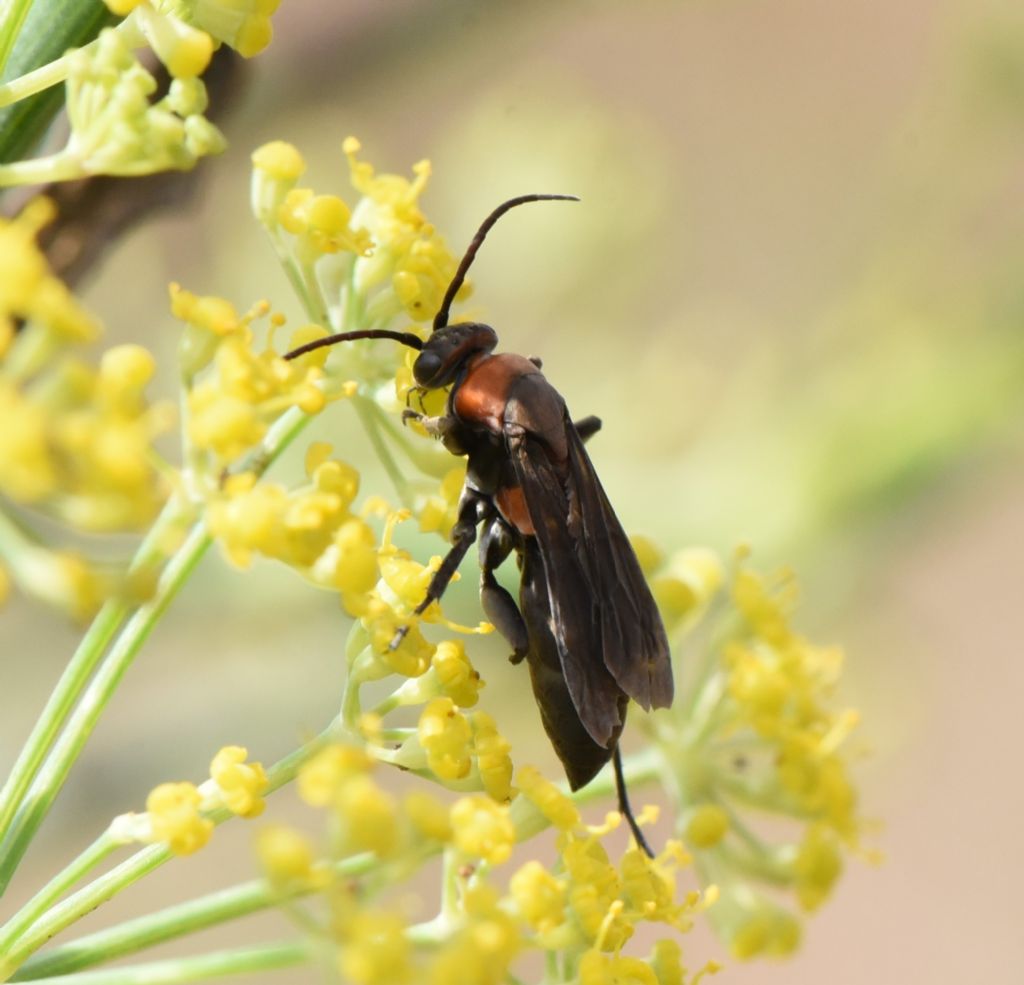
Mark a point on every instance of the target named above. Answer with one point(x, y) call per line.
point(585, 623)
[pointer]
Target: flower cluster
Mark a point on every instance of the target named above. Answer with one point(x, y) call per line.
point(752, 739)
point(581, 912)
point(82, 451)
point(178, 814)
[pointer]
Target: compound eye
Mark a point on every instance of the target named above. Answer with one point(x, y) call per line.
point(426, 367)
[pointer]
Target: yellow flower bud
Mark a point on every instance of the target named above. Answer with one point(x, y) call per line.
point(279, 160)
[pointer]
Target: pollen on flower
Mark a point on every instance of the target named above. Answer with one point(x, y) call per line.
point(173, 810)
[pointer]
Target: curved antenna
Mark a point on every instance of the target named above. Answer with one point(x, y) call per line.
point(441, 318)
point(406, 338)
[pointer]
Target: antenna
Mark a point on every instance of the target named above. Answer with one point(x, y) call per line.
point(441, 318)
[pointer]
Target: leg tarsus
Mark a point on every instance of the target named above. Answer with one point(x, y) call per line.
point(624, 809)
point(463, 535)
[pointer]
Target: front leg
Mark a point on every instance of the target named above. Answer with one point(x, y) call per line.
point(472, 507)
point(444, 427)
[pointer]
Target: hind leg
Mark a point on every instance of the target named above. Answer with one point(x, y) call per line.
point(498, 604)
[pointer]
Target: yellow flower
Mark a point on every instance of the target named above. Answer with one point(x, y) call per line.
point(594, 893)
point(552, 803)
point(818, 865)
point(428, 815)
point(439, 513)
point(369, 816)
point(409, 261)
point(491, 750)
point(184, 50)
point(321, 225)
point(351, 563)
point(445, 734)
point(483, 828)
point(455, 675)
point(600, 969)
point(320, 779)
point(482, 950)
point(173, 810)
point(707, 826)
point(114, 127)
point(539, 897)
point(686, 584)
point(286, 855)
point(28, 290)
point(762, 737)
point(375, 950)
point(241, 24)
point(240, 784)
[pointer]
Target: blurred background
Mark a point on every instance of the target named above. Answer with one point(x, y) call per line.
point(794, 292)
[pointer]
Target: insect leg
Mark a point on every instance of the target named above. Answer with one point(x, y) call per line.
point(471, 509)
point(587, 427)
point(624, 809)
point(499, 606)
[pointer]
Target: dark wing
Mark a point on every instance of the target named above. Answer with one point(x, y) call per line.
point(634, 645)
point(607, 629)
point(582, 757)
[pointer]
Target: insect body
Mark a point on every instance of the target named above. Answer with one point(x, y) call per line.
point(585, 622)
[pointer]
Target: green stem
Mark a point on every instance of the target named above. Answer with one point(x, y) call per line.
point(174, 922)
point(89, 897)
point(77, 673)
point(54, 889)
point(41, 170)
point(40, 797)
point(363, 409)
point(195, 969)
point(29, 84)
